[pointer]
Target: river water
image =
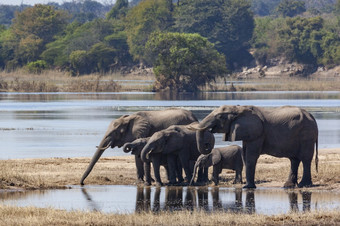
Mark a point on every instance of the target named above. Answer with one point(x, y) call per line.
point(44, 125)
point(131, 199)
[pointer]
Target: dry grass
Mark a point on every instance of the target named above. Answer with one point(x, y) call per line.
point(278, 84)
point(39, 216)
point(54, 81)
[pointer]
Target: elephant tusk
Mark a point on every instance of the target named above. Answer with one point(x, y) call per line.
point(104, 148)
point(196, 127)
point(148, 154)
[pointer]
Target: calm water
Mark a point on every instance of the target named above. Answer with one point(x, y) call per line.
point(130, 199)
point(43, 125)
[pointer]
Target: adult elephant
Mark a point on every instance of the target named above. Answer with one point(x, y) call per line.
point(286, 131)
point(177, 140)
point(141, 124)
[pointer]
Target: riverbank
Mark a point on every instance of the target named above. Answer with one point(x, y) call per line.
point(47, 216)
point(54, 81)
point(61, 172)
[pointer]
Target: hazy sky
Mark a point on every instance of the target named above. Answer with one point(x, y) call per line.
point(32, 2)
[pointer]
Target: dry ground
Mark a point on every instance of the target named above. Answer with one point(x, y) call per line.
point(60, 172)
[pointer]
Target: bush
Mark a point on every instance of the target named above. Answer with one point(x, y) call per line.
point(36, 67)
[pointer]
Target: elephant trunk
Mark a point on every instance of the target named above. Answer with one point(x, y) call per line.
point(194, 174)
point(145, 153)
point(127, 148)
point(205, 141)
point(100, 150)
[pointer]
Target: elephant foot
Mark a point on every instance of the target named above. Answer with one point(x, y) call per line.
point(289, 184)
point(159, 184)
point(237, 182)
point(249, 186)
point(305, 184)
point(179, 181)
point(140, 181)
point(146, 183)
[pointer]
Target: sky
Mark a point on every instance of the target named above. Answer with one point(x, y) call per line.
point(33, 2)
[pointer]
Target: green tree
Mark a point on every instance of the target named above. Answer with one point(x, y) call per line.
point(183, 62)
point(147, 17)
point(301, 39)
point(291, 8)
point(228, 24)
point(119, 10)
point(33, 28)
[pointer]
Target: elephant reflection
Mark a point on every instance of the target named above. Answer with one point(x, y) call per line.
point(306, 201)
point(194, 199)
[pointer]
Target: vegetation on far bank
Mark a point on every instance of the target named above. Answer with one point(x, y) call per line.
point(80, 39)
point(54, 81)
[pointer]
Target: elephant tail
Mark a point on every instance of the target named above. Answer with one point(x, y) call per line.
point(316, 156)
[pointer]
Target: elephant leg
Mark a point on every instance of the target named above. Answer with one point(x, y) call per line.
point(140, 168)
point(292, 178)
point(308, 149)
point(306, 180)
point(215, 175)
point(172, 165)
point(238, 177)
point(147, 173)
point(250, 174)
point(156, 169)
point(251, 155)
point(186, 166)
point(179, 171)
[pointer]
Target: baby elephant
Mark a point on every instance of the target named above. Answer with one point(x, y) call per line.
point(229, 157)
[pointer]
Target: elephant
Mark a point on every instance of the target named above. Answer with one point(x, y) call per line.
point(229, 157)
point(285, 131)
point(177, 140)
point(136, 146)
point(138, 125)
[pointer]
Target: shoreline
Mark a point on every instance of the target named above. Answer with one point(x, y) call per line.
point(60, 173)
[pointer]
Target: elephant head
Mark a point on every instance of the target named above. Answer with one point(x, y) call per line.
point(205, 161)
point(175, 138)
point(136, 146)
point(236, 122)
point(124, 129)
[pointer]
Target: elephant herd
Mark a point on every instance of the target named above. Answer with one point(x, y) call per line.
point(176, 140)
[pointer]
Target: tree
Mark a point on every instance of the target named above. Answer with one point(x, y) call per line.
point(291, 8)
point(147, 17)
point(33, 28)
point(119, 10)
point(228, 24)
point(183, 62)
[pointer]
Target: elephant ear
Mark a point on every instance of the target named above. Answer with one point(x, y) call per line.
point(247, 126)
point(215, 157)
point(140, 127)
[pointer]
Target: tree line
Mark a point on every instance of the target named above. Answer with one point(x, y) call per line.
point(187, 42)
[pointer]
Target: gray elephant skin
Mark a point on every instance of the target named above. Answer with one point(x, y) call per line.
point(286, 131)
point(138, 125)
point(136, 147)
point(229, 157)
point(179, 141)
